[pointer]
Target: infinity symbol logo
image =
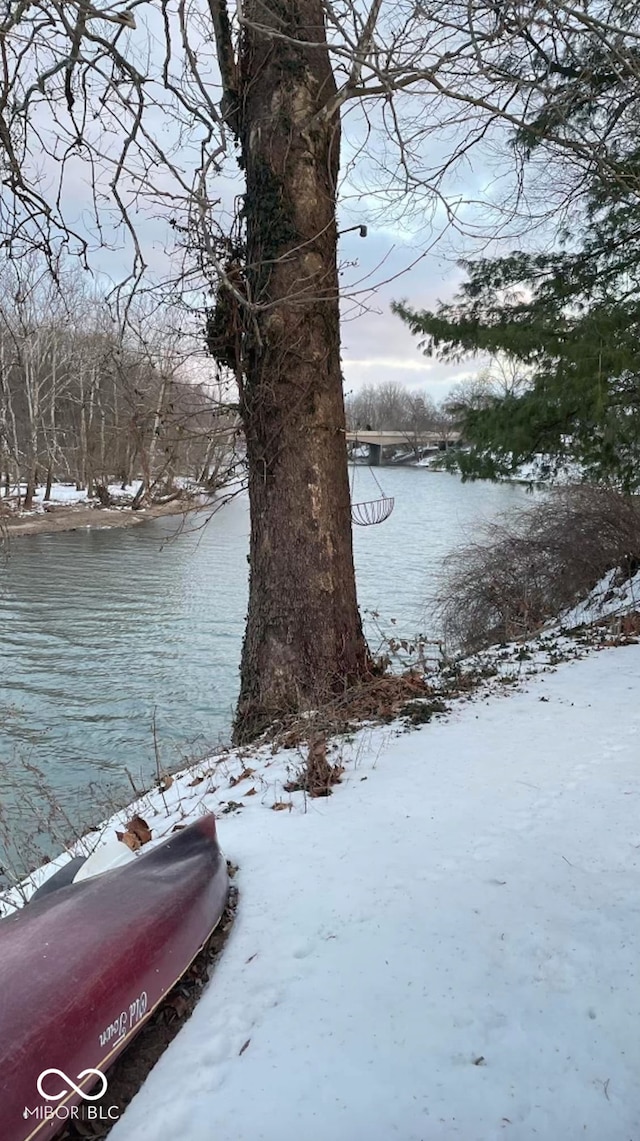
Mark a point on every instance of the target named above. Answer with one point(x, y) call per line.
point(72, 1085)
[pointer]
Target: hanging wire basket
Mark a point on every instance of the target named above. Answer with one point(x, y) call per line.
point(372, 511)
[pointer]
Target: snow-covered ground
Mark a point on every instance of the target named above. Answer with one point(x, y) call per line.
point(536, 471)
point(447, 947)
point(614, 596)
point(60, 493)
point(68, 495)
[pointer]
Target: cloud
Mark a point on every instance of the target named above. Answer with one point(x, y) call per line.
point(376, 345)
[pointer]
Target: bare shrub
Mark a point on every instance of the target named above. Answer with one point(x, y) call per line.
point(533, 563)
point(38, 821)
point(379, 699)
point(317, 775)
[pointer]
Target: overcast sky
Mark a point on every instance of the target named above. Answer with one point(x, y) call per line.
point(376, 345)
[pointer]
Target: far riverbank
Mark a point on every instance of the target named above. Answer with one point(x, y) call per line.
point(74, 517)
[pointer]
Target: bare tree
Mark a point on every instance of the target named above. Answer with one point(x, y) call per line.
point(422, 417)
point(506, 376)
point(390, 406)
point(84, 400)
point(31, 339)
point(468, 396)
point(380, 407)
point(502, 377)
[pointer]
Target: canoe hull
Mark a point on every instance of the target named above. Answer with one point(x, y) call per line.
point(82, 969)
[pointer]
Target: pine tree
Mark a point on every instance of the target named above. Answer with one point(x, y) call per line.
point(572, 317)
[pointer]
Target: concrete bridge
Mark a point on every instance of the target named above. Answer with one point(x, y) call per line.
point(416, 441)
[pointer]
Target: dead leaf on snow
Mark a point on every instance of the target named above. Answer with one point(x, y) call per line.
point(140, 828)
point(317, 774)
point(244, 775)
point(130, 840)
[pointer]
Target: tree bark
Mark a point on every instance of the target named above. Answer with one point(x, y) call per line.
point(51, 437)
point(32, 392)
point(12, 446)
point(304, 641)
point(156, 428)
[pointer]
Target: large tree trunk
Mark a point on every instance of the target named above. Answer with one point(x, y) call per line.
point(304, 639)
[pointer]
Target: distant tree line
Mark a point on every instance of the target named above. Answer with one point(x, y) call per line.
point(390, 406)
point(85, 401)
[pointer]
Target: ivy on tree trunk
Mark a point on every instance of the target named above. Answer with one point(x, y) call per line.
point(304, 641)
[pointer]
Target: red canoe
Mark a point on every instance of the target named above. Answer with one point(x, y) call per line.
point(82, 968)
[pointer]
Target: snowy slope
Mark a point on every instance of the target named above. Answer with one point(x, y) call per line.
point(614, 595)
point(445, 948)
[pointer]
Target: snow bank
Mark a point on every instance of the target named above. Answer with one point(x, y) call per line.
point(69, 495)
point(61, 493)
point(445, 948)
point(537, 471)
point(613, 596)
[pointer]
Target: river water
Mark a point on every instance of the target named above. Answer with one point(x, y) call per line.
point(101, 631)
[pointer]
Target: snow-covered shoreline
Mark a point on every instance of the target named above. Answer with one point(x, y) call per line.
point(446, 946)
point(70, 509)
point(496, 671)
